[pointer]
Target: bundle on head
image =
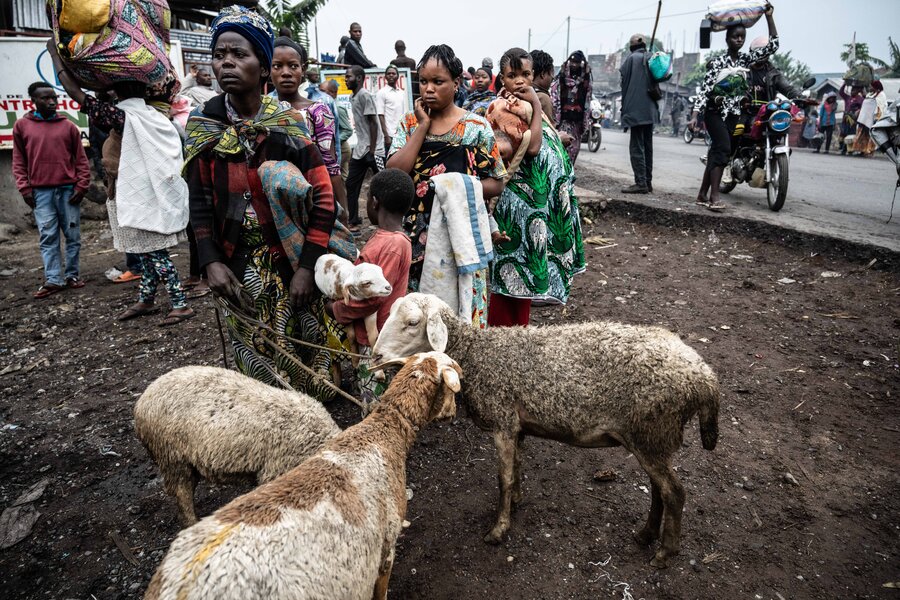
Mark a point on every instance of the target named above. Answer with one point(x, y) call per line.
point(327, 528)
point(223, 426)
point(591, 384)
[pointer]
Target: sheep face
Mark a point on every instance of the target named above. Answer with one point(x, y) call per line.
point(444, 371)
point(367, 281)
point(414, 325)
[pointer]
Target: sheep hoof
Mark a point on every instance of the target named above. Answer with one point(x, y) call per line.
point(660, 561)
point(495, 536)
point(645, 536)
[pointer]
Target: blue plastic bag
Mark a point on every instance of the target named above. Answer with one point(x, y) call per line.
point(660, 65)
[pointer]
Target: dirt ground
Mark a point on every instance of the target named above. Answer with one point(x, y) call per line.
point(799, 500)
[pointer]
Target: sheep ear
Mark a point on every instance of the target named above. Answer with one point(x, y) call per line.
point(437, 331)
point(451, 378)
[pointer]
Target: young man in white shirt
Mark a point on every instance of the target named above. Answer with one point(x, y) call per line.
point(391, 103)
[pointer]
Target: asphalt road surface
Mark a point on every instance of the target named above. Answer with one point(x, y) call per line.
point(838, 196)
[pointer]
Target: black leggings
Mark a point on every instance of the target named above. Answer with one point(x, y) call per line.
point(720, 131)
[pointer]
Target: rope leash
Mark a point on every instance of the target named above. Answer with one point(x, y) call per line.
point(260, 331)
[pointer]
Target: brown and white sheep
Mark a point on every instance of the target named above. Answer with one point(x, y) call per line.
point(594, 384)
point(327, 528)
point(224, 426)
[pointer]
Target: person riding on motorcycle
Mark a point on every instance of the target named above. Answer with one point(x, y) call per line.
point(765, 82)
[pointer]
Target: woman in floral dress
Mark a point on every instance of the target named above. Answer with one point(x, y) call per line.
point(440, 137)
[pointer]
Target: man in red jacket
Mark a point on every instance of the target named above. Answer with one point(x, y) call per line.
point(52, 174)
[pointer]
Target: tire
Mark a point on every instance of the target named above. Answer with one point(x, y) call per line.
point(594, 139)
point(687, 135)
point(777, 186)
point(725, 188)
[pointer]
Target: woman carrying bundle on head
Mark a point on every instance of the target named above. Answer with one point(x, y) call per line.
point(571, 93)
point(440, 137)
point(537, 241)
point(251, 168)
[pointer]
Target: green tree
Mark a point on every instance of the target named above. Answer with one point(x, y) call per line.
point(285, 13)
point(695, 76)
point(794, 71)
point(893, 67)
point(862, 54)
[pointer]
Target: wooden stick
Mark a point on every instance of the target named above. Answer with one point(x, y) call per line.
point(655, 25)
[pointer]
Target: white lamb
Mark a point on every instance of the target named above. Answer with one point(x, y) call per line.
point(326, 529)
point(223, 426)
point(339, 279)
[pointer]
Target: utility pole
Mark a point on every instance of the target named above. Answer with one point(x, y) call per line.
point(529, 39)
point(316, 26)
point(568, 27)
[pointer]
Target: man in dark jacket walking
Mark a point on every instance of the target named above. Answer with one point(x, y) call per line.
point(52, 174)
point(639, 113)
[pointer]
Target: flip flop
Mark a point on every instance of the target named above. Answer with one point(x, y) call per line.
point(717, 207)
point(133, 313)
point(176, 319)
point(702, 203)
point(195, 293)
point(48, 289)
point(75, 282)
point(126, 277)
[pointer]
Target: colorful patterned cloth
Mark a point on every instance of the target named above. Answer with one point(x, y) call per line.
point(251, 25)
point(157, 267)
point(322, 131)
point(133, 46)
point(469, 147)
point(289, 196)
point(477, 102)
point(539, 212)
point(272, 303)
point(240, 135)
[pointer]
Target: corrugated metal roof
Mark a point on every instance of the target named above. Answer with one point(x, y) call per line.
point(30, 15)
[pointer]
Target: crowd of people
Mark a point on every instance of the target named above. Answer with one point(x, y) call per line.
point(260, 179)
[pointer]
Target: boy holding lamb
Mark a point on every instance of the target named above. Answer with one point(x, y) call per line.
point(391, 193)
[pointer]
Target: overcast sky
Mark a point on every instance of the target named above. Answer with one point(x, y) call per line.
point(813, 31)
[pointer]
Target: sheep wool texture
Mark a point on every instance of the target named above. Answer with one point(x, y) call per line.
point(325, 529)
point(223, 425)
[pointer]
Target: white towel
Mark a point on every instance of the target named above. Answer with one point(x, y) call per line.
point(459, 241)
point(150, 193)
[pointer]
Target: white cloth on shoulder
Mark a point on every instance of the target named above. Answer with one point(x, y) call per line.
point(150, 192)
point(458, 243)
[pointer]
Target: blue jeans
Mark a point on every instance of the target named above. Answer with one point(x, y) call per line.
point(53, 214)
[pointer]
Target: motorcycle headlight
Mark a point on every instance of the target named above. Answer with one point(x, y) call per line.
point(595, 113)
point(780, 121)
point(785, 106)
point(772, 106)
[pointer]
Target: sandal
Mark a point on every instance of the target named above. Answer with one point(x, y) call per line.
point(717, 207)
point(74, 282)
point(48, 289)
point(133, 313)
point(126, 277)
point(176, 319)
point(198, 292)
point(702, 203)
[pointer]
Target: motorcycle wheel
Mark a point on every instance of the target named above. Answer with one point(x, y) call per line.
point(776, 189)
point(594, 141)
point(687, 135)
point(725, 188)
point(706, 138)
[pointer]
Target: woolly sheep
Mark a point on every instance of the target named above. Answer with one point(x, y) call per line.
point(595, 384)
point(327, 528)
point(223, 426)
point(339, 279)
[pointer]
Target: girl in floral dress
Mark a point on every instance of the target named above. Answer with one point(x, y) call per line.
point(440, 137)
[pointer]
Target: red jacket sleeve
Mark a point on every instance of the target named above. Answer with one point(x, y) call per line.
point(82, 166)
point(20, 162)
point(323, 212)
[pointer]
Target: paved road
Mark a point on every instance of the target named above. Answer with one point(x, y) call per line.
point(844, 197)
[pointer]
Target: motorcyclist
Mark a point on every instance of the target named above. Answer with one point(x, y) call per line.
point(765, 80)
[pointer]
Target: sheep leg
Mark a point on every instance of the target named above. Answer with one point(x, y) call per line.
point(506, 453)
point(671, 494)
point(650, 531)
point(181, 481)
point(381, 584)
point(517, 471)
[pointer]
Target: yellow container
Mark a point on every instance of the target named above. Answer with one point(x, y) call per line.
point(84, 16)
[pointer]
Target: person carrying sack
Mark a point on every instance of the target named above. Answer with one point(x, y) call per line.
point(640, 112)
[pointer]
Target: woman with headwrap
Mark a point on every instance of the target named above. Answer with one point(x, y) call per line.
point(146, 199)
point(482, 95)
point(873, 108)
point(571, 94)
point(261, 205)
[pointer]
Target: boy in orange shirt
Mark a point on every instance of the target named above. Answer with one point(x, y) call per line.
point(391, 194)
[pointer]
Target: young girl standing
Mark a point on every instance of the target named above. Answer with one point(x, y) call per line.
point(538, 245)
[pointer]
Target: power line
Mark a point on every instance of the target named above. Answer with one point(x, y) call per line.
point(555, 31)
point(692, 12)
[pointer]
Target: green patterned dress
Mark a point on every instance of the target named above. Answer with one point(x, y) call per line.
point(539, 212)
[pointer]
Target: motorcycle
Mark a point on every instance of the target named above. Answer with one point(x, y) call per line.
point(690, 133)
point(761, 156)
point(593, 134)
point(886, 134)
